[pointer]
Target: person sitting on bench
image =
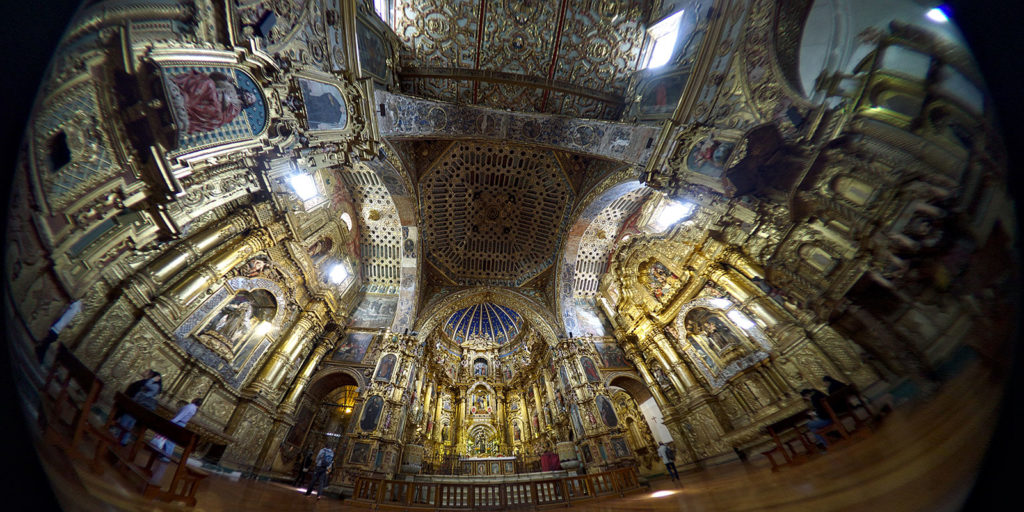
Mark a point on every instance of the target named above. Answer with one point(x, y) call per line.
point(146, 397)
point(819, 416)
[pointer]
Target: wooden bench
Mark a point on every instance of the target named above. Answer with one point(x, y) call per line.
point(785, 433)
point(70, 389)
point(843, 404)
point(185, 480)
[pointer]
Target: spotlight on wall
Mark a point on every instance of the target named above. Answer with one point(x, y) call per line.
point(740, 319)
point(263, 328)
point(338, 273)
point(304, 186)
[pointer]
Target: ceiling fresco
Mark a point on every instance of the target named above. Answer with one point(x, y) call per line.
point(571, 58)
point(494, 214)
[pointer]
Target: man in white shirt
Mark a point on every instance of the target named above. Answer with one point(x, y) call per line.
point(69, 314)
point(181, 419)
point(668, 457)
point(324, 459)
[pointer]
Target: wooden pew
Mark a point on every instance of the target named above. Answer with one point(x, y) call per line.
point(185, 480)
point(784, 433)
point(841, 405)
point(70, 387)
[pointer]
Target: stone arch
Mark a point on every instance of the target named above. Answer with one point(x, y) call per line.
point(630, 384)
point(324, 381)
point(604, 195)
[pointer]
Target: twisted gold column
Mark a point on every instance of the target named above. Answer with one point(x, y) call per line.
point(292, 399)
point(281, 359)
point(199, 280)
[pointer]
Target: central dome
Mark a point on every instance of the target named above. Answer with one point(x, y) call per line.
point(484, 320)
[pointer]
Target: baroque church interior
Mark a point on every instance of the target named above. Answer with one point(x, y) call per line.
point(495, 253)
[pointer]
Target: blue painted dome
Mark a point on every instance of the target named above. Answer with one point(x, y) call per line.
point(486, 319)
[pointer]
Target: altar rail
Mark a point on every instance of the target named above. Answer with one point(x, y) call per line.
point(400, 494)
point(450, 464)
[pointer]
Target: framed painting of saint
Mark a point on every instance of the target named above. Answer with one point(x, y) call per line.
point(604, 406)
point(385, 368)
point(590, 370)
point(324, 104)
point(371, 413)
point(213, 105)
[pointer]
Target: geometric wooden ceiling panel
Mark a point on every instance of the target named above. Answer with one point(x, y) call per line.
point(494, 214)
point(497, 53)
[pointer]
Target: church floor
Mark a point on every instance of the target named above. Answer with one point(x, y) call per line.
point(922, 458)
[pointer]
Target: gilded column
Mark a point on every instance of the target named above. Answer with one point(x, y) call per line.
point(292, 399)
point(198, 280)
point(667, 357)
point(281, 359)
point(678, 365)
point(652, 385)
point(746, 293)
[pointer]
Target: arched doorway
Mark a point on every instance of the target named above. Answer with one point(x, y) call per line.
point(322, 419)
point(645, 408)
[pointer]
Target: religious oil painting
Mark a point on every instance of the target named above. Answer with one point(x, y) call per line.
point(577, 422)
point(604, 407)
point(710, 156)
point(564, 378)
point(661, 94)
point(371, 413)
point(590, 370)
point(353, 347)
point(611, 354)
point(213, 105)
point(385, 368)
point(325, 106)
point(662, 281)
point(375, 311)
point(360, 453)
point(373, 52)
point(619, 447)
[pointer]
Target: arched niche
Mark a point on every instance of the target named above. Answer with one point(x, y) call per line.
point(231, 330)
point(753, 346)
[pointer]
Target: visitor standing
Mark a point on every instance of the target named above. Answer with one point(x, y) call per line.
point(324, 459)
point(668, 457)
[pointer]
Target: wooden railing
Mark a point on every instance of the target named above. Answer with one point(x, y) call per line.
point(382, 493)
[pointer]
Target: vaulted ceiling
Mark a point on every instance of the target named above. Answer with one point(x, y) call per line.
point(563, 57)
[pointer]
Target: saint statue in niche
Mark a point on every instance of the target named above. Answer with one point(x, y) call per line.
point(208, 100)
point(480, 368)
point(716, 331)
point(517, 434)
point(228, 330)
